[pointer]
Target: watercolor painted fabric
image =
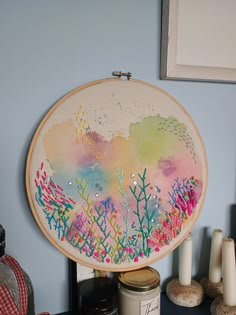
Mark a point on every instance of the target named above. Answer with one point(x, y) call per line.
point(116, 174)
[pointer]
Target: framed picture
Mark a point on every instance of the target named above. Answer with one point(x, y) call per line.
point(198, 40)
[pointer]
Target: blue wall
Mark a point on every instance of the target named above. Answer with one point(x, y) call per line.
point(47, 48)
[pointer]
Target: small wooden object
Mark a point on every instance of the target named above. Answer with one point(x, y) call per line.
point(226, 303)
point(185, 295)
point(213, 284)
point(218, 307)
point(185, 291)
point(212, 290)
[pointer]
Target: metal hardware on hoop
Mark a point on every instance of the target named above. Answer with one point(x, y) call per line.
point(122, 74)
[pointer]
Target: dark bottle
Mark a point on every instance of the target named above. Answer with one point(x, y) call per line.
point(98, 296)
point(8, 277)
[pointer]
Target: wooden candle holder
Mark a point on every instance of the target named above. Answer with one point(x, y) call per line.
point(212, 290)
point(185, 295)
point(226, 303)
point(218, 307)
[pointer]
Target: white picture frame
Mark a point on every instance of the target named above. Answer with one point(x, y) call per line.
point(198, 40)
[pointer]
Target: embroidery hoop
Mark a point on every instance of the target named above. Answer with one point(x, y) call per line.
point(111, 109)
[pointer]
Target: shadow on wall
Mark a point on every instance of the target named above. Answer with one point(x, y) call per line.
point(232, 222)
point(175, 269)
point(200, 256)
point(204, 253)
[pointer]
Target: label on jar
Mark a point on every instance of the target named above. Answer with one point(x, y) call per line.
point(151, 307)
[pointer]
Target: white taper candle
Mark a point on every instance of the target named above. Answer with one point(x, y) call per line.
point(185, 261)
point(216, 256)
point(229, 272)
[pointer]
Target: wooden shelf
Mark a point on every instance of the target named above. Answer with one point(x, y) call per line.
point(167, 308)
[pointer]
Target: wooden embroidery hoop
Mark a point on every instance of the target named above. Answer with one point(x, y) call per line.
point(122, 84)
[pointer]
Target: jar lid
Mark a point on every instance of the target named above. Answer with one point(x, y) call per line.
point(143, 279)
point(98, 293)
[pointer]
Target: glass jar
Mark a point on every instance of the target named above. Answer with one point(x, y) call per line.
point(98, 296)
point(139, 292)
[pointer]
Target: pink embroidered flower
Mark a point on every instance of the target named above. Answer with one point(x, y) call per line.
point(157, 238)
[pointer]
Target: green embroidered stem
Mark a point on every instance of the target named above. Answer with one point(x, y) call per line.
point(87, 208)
point(143, 197)
point(120, 176)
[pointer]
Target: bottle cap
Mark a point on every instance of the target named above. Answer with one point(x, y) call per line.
point(2, 240)
point(143, 279)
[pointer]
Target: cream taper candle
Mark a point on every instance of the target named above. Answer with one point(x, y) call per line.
point(216, 256)
point(229, 272)
point(185, 261)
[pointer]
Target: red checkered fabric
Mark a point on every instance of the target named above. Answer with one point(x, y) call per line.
point(7, 303)
point(8, 306)
point(11, 262)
